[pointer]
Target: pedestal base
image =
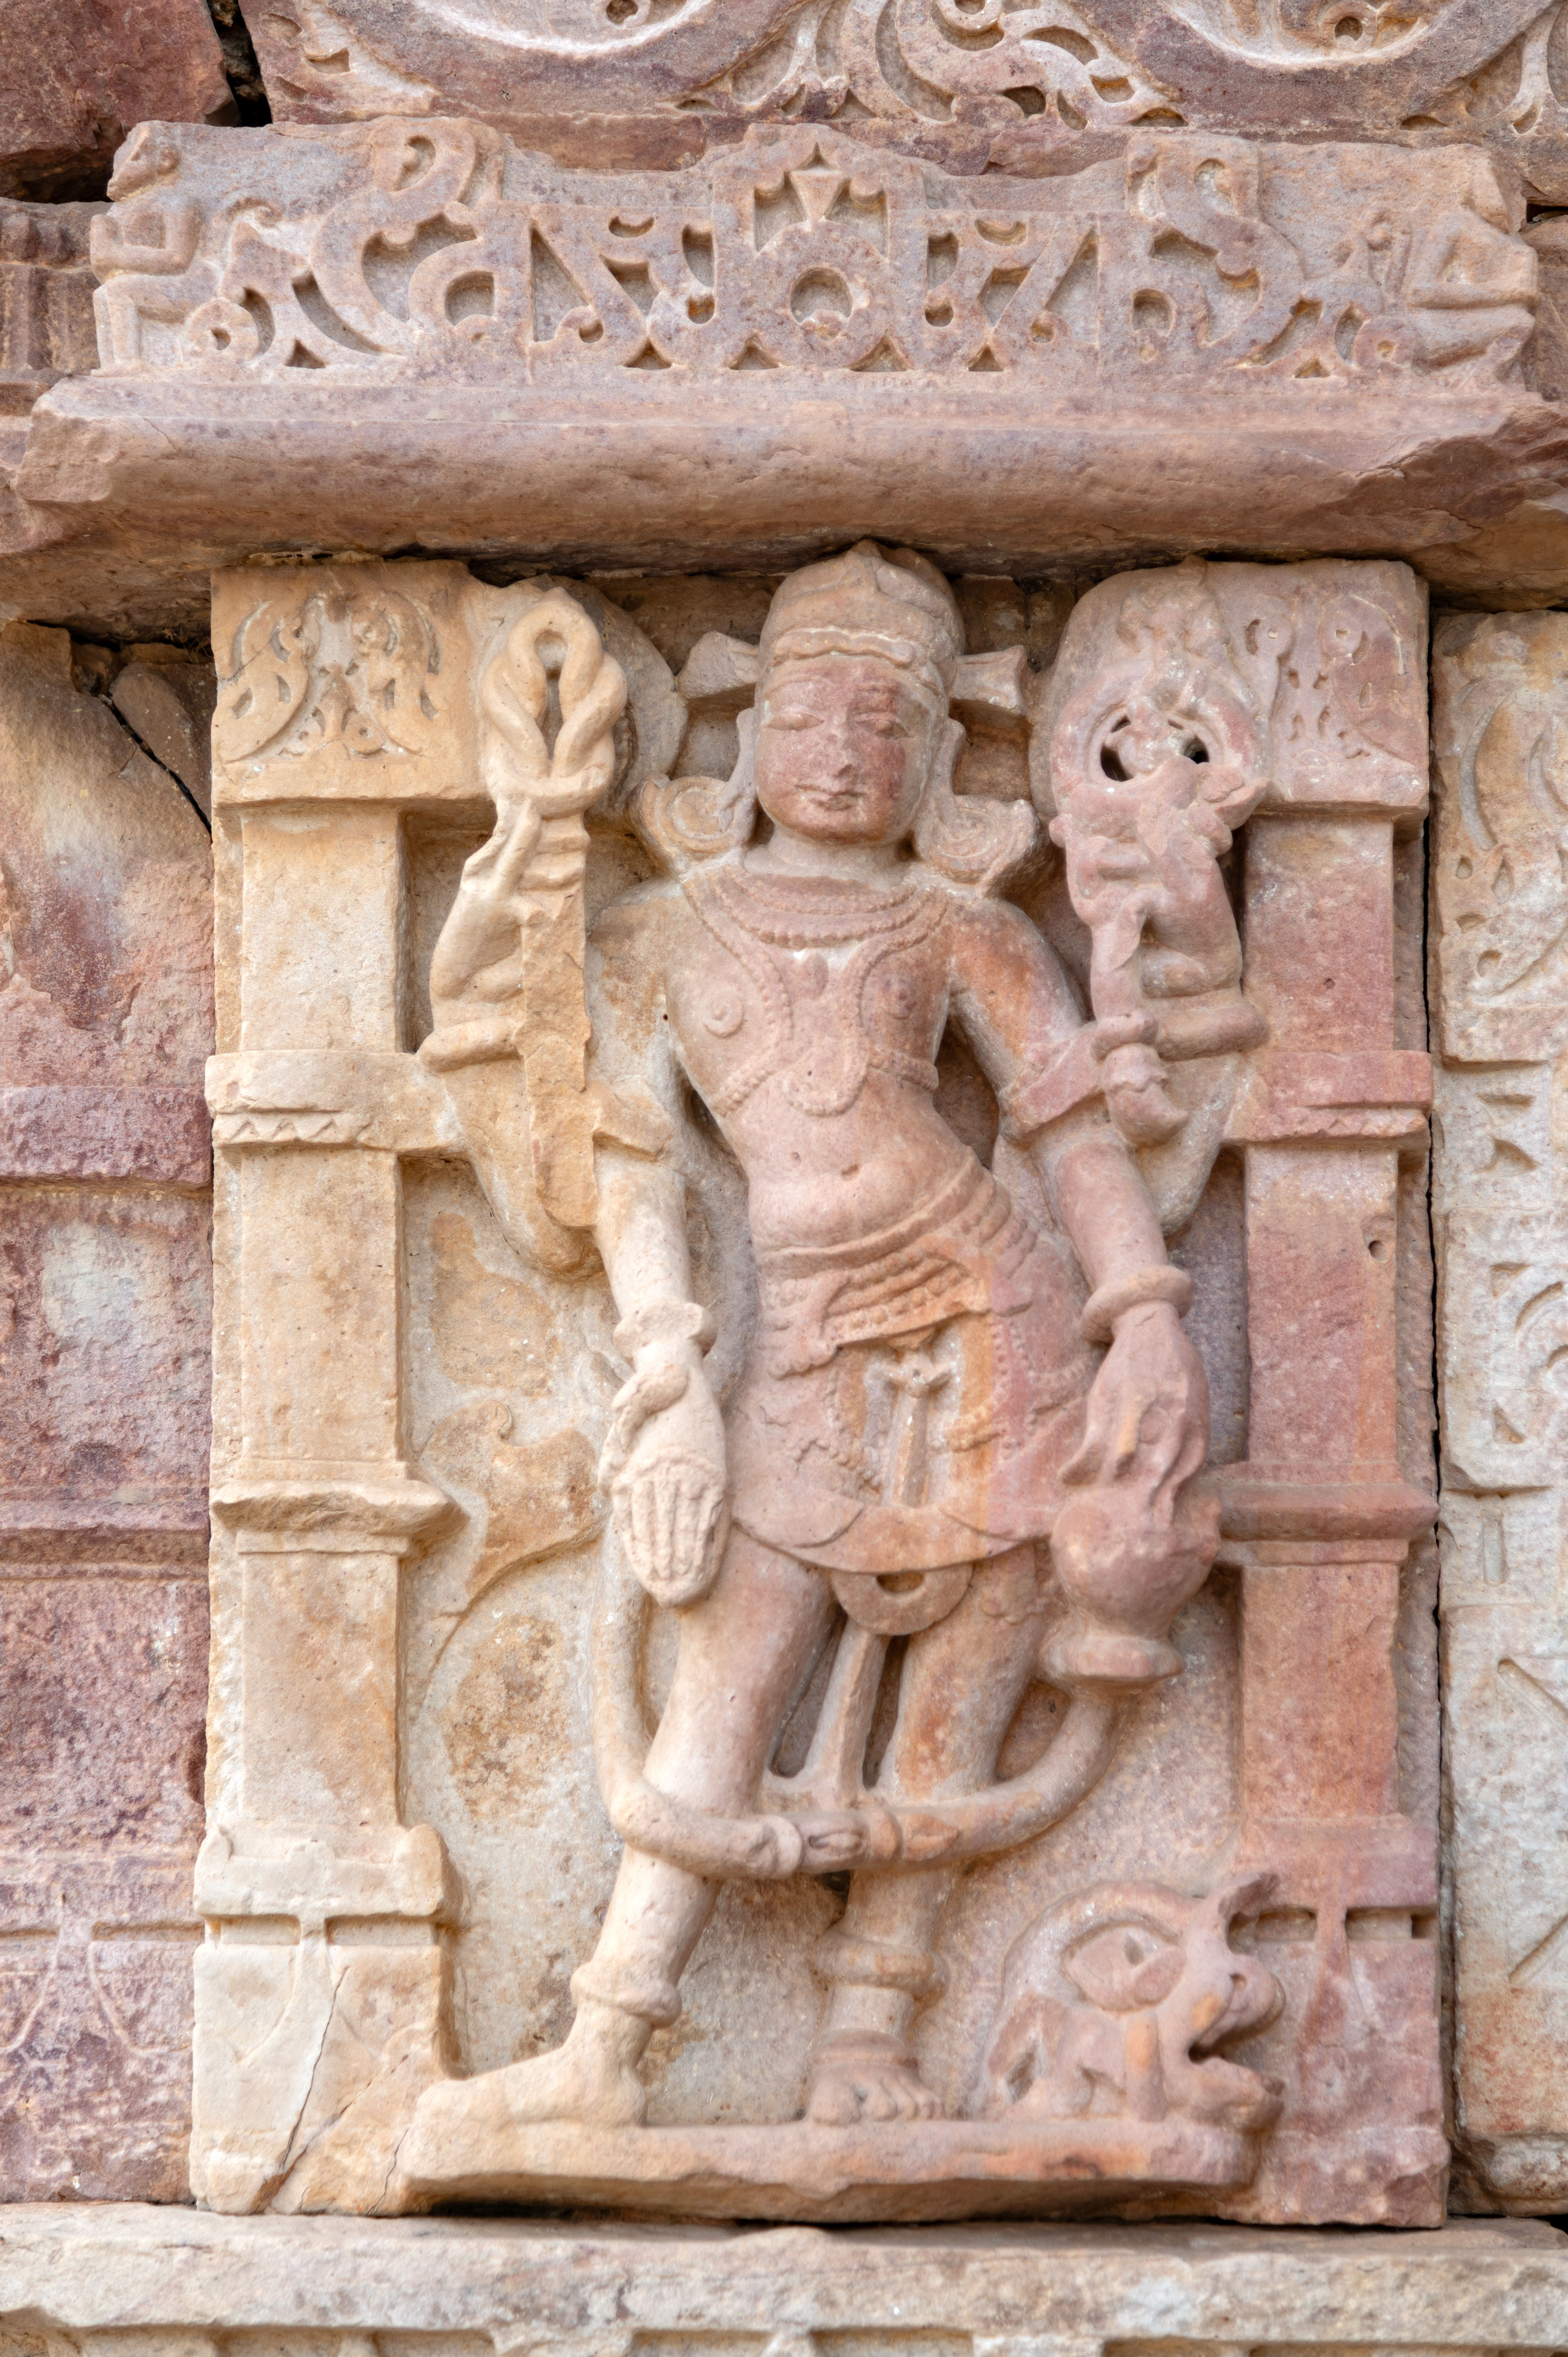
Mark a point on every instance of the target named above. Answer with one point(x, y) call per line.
point(913, 2170)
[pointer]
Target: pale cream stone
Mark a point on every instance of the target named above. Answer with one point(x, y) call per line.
point(129, 2282)
point(1500, 914)
point(799, 248)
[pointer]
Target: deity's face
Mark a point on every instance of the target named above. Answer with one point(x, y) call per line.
point(842, 750)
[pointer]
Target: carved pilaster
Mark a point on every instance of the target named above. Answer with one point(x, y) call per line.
point(1331, 1121)
point(322, 1996)
point(1500, 916)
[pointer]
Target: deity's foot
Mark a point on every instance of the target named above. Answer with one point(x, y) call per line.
point(867, 2077)
point(462, 2126)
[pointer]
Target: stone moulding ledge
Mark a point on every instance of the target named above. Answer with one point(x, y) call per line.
point(129, 489)
point(588, 2291)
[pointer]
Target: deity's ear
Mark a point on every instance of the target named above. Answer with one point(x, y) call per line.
point(974, 842)
point(684, 821)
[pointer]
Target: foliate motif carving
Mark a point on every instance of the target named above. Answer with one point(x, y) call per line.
point(342, 669)
point(1513, 97)
point(1501, 916)
point(939, 62)
point(1039, 85)
point(406, 250)
point(1502, 895)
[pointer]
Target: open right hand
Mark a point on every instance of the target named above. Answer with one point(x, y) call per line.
point(669, 1496)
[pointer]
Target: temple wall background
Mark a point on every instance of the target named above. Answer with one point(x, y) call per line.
point(320, 314)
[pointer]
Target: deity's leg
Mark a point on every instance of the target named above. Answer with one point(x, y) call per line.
point(745, 1654)
point(963, 1682)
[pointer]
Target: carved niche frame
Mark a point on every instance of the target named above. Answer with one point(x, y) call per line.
point(360, 1516)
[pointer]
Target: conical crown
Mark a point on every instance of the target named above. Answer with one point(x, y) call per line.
point(869, 601)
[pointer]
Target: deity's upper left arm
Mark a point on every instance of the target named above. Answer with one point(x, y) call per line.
point(1012, 997)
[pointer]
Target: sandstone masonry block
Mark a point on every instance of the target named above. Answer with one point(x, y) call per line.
point(104, 1022)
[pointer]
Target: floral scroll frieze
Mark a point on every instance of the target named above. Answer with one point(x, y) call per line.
point(1026, 85)
point(398, 248)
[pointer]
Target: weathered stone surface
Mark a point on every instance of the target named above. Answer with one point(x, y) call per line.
point(130, 492)
point(456, 2285)
point(1500, 919)
point(389, 1000)
point(684, 1740)
point(46, 299)
point(1158, 354)
point(1023, 89)
point(79, 73)
point(106, 1018)
point(236, 255)
point(167, 697)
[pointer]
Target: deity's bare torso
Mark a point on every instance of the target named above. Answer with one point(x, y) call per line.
point(807, 1014)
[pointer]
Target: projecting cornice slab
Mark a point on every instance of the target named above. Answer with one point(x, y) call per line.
point(400, 335)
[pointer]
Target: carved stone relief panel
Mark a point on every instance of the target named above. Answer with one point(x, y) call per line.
point(811, 1569)
point(1022, 86)
point(105, 1023)
point(397, 250)
point(1499, 922)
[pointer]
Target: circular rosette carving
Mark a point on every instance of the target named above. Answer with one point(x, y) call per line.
point(586, 56)
point(1342, 30)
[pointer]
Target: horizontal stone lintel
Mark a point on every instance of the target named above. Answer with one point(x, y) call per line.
point(326, 1097)
point(1368, 1862)
point(1366, 1502)
point(314, 1877)
point(590, 2290)
point(156, 1135)
point(988, 476)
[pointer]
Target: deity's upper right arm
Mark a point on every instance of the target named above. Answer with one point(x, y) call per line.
point(632, 1051)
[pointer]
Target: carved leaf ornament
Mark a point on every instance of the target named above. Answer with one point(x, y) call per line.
point(360, 670)
point(1503, 890)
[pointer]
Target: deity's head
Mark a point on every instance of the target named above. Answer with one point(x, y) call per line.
point(856, 665)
